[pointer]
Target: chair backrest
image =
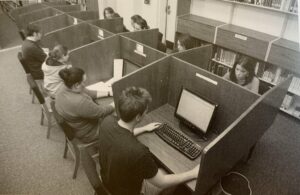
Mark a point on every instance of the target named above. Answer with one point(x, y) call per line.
point(22, 34)
point(67, 129)
point(35, 89)
point(24, 65)
point(89, 166)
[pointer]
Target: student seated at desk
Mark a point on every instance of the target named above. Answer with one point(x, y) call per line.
point(77, 107)
point(184, 42)
point(125, 162)
point(58, 59)
point(243, 73)
point(109, 13)
point(138, 23)
point(33, 54)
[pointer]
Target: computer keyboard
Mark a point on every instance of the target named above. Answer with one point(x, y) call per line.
point(178, 141)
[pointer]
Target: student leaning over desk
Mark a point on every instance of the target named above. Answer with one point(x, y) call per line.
point(75, 104)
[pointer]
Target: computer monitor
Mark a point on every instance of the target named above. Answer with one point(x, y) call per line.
point(195, 111)
point(129, 67)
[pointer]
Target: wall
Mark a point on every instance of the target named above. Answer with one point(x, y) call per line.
point(263, 20)
point(128, 8)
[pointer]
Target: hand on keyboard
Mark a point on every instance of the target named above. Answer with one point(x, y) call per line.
point(151, 126)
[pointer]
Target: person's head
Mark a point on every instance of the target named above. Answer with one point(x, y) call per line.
point(133, 104)
point(34, 31)
point(243, 70)
point(73, 78)
point(184, 42)
point(138, 23)
point(108, 13)
point(60, 53)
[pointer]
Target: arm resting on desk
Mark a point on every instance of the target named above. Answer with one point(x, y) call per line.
point(147, 128)
point(163, 181)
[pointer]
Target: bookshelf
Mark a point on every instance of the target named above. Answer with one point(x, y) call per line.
point(276, 58)
point(284, 6)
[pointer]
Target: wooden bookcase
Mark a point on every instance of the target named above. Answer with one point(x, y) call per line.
point(276, 57)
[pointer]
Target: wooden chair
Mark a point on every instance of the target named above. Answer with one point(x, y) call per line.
point(27, 72)
point(71, 143)
point(22, 34)
point(90, 169)
point(45, 110)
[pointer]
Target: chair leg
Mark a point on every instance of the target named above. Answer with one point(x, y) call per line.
point(77, 162)
point(33, 97)
point(49, 126)
point(42, 117)
point(66, 149)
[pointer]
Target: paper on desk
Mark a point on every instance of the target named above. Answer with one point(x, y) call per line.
point(111, 81)
point(100, 86)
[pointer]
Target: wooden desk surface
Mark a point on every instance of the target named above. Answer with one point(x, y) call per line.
point(248, 32)
point(172, 159)
point(202, 20)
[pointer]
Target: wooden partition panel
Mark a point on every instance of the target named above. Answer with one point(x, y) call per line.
point(286, 54)
point(232, 99)
point(197, 56)
point(243, 40)
point(227, 149)
point(147, 37)
point(97, 59)
point(72, 37)
point(48, 25)
point(128, 48)
point(85, 15)
point(198, 27)
point(113, 25)
point(26, 9)
point(68, 8)
point(154, 78)
point(55, 3)
point(25, 19)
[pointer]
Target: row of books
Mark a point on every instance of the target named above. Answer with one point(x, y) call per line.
point(295, 85)
point(285, 5)
point(225, 56)
point(287, 101)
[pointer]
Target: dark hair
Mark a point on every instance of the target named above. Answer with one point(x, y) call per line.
point(248, 64)
point(132, 102)
point(109, 9)
point(31, 29)
point(134, 18)
point(140, 21)
point(58, 52)
point(186, 41)
point(71, 76)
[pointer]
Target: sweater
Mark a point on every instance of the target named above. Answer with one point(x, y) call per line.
point(81, 112)
point(33, 56)
point(52, 81)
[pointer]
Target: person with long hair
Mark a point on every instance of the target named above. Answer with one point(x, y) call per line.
point(243, 73)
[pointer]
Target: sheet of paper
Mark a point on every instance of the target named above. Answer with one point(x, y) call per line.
point(100, 86)
point(118, 68)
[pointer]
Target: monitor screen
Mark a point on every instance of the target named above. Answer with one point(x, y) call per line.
point(195, 110)
point(129, 67)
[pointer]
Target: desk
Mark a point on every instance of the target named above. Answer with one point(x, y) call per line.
point(172, 159)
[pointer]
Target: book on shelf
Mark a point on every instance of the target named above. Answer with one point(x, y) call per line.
point(287, 101)
point(295, 85)
point(225, 56)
